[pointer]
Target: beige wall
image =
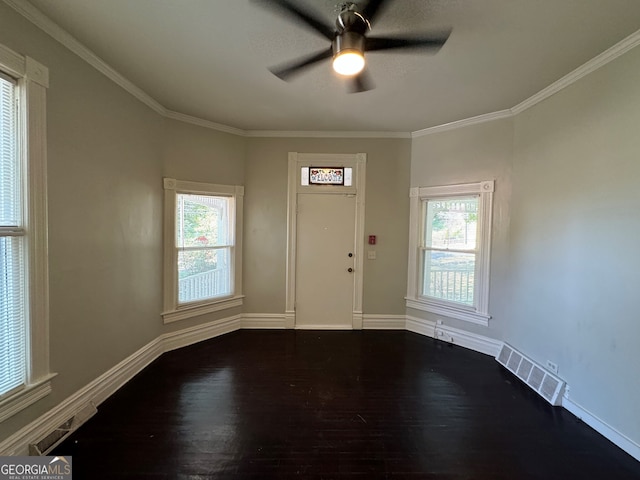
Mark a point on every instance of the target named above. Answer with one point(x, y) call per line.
point(575, 234)
point(200, 154)
point(564, 257)
point(265, 234)
point(107, 155)
point(104, 217)
point(565, 265)
point(472, 154)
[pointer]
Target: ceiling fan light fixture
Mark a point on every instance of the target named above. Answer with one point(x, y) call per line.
point(348, 62)
point(348, 53)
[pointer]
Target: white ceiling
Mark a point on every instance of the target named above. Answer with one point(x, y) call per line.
point(209, 58)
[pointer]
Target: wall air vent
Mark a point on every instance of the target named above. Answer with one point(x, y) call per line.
point(544, 383)
point(48, 443)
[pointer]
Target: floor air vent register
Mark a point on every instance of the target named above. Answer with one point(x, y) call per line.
point(53, 439)
point(548, 386)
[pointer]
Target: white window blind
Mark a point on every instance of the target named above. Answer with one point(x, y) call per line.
point(13, 322)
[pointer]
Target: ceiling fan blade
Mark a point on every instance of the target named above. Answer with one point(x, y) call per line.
point(304, 16)
point(289, 69)
point(361, 83)
point(434, 42)
point(372, 8)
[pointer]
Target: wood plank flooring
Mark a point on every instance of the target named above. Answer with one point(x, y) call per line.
point(328, 405)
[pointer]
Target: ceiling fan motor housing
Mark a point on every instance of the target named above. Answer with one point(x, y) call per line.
point(348, 41)
point(351, 28)
point(351, 20)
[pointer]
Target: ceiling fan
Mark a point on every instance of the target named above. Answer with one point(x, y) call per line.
point(349, 39)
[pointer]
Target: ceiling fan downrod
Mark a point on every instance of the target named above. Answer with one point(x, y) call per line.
point(349, 43)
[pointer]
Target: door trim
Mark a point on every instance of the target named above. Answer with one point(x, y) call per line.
point(358, 162)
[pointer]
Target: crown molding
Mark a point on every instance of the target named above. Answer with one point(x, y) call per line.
point(324, 134)
point(181, 117)
point(40, 20)
point(51, 28)
point(487, 117)
point(591, 66)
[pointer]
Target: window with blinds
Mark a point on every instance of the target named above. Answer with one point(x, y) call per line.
point(13, 321)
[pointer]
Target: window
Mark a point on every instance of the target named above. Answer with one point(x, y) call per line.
point(449, 250)
point(13, 310)
point(203, 247)
point(342, 176)
point(24, 340)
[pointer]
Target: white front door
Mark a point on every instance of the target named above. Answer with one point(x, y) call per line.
point(325, 260)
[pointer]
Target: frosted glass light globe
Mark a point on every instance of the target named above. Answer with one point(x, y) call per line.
point(348, 63)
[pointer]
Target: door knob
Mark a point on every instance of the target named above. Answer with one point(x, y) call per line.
point(350, 255)
point(349, 269)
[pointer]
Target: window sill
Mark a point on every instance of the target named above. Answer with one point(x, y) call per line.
point(25, 397)
point(449, 311)
point(183, 313)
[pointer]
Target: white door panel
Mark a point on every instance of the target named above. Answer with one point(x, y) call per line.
point(325, 238)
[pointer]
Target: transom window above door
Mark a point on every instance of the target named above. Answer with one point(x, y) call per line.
point(333, 176)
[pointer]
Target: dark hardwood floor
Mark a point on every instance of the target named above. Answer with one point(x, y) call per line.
point(306, 404)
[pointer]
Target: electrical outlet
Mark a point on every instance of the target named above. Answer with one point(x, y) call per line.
point(552, 367)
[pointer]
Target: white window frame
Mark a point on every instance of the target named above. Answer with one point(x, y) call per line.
point(173, 311)
point(32, 83)
point(479, 312)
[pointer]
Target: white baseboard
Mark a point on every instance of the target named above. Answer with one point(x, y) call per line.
point(263, 320)
point(356, 320)
point(199, 333)
point(456, 336)
point(472, 341)
point(109, 382)
point(384, 322)
point(421, 326)
point(610, 433)
point(491, 347)
point(324, 327)
point(95, 392)
point(289, 319)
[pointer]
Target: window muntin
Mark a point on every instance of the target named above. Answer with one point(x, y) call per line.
point(449, 248)
point(204, 244)
point(202, 248)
